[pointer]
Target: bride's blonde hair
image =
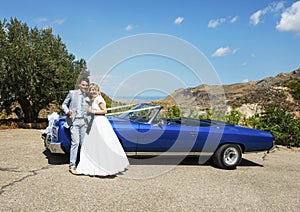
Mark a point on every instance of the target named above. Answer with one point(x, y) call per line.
point(96, 87)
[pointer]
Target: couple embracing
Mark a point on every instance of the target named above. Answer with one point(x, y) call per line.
point(101, 153)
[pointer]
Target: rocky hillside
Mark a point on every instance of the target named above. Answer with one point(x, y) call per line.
point(244, 97)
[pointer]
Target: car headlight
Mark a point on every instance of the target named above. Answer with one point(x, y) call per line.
point(55, 132)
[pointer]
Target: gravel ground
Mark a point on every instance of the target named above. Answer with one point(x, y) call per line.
point(31, 179)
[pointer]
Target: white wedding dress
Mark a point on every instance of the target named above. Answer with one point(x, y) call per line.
point(101, 153)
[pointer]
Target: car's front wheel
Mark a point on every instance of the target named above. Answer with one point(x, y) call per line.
point(47, 139)
point(228, 156)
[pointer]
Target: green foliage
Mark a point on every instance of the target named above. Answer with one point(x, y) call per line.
point(253, 121)
point(234, 117)
point(213, 114)
point(280, 121)
point(216, 114)
point(173, 112)
point(276, 118)
point(108, 103)
point(35, 68)
point(192, 113)
point(295, 88)
point(207, 116)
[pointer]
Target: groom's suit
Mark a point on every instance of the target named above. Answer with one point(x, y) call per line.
point(77, 102)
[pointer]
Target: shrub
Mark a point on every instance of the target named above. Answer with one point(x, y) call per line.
point(207, 115)
point(276, 118)
point(295, 88)
point(234, 117)
point(281, 122)
point(173, 112)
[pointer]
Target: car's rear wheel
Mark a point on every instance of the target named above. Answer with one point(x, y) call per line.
point(228, 156)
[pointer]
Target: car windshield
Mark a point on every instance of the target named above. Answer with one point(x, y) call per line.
point(142, 112)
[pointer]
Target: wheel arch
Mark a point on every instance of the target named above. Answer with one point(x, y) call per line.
point(242, 146)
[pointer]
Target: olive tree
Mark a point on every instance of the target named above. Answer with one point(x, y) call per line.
point(35, 68)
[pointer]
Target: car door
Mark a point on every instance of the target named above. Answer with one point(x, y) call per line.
point(209, 138)
point(127, 132)
point(166, 138)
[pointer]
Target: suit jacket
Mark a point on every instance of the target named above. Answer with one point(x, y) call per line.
point(73, 102)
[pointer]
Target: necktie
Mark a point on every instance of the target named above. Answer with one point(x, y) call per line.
point(82, 104)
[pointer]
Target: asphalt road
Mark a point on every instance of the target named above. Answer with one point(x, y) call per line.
point(32, 179)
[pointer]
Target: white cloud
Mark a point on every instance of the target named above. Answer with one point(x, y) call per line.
point(222, 51)
point(213, 23)
point(272, 8)
point(216, 22)
point(255, 17)
point(129, 27)
point(276, 7)
point(245, 80)
point(179, 20)
point(59, 21)
point(40, 20)
point(290, 19)
point(235, 50)
point(234, 19)
point(244, 64)
point(44, 20)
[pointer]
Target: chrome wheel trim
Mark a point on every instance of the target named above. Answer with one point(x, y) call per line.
point(231, 156)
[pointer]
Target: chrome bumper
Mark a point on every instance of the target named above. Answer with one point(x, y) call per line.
point(52, 146)
point(56, 148)
point(272, 148)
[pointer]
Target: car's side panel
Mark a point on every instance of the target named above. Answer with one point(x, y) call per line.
point(166, 138)
point(250, 139)
point(127, 132)
point(209, 139)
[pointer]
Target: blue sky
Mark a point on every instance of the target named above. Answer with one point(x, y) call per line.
point(242, 39)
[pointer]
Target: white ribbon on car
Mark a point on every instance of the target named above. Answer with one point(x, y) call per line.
point(134, 110)
point(118, 107)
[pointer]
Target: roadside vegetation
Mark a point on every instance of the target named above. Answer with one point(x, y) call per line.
point(278, 119)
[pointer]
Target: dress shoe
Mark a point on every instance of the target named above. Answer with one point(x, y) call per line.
point(73, 171)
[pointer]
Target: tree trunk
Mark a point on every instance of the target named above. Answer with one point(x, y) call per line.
point(30, 114)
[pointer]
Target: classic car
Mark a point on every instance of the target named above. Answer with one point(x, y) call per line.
point(142, 130)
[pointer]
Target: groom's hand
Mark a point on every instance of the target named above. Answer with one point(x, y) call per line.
point(69, 113)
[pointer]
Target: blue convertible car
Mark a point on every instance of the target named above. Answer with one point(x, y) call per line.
point(142, 130)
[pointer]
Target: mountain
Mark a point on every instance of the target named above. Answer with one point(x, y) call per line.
point(245, 97)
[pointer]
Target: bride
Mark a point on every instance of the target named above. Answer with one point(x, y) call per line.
point(101, 153)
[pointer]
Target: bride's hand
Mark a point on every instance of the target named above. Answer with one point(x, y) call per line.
point(89, 110)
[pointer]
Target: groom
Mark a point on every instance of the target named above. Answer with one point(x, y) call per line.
point(74, 106)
